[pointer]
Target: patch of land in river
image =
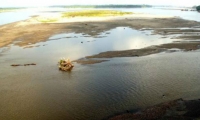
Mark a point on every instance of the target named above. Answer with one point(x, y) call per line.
point(7, 10)
point(29, 32)
point(174, 110)
point(149, 50)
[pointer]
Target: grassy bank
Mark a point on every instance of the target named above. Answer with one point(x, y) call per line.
point(95, 13)
point(83, 13)
point(7, 9)
point(47, 20)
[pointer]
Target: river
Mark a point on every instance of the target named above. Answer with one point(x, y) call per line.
point(93, 92)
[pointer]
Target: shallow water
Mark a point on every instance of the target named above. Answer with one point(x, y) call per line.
point(9, 17)
point(76, 46)
point(93, 91)
point(188, 15)
point(18, 15)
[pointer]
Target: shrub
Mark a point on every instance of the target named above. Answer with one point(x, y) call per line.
point(198, 8)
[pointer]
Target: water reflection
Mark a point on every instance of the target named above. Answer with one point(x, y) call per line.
point(9, 17)
point(76, 46)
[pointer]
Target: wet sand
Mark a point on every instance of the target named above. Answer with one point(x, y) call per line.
point(29, 32)
point(174, 110)
point(89, 61)
point(147, 51)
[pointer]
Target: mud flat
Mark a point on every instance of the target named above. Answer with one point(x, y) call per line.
point(174, 110)
point(30, 31)
point(149, 50)
point(89, 61)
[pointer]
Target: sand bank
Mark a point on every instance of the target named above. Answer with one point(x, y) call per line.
point(31, 31)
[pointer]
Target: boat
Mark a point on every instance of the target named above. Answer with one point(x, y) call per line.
point(65, 65)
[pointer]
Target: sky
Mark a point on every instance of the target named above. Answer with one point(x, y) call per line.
point(20, 3)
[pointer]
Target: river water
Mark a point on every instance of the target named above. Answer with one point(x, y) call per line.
point(188, 15)
point(93, 92)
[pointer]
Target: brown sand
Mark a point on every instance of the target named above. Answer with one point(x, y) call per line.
point(147, 51)
point(174, 110)
point(28, 32)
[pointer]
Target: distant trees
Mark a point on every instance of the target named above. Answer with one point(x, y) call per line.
point(198, 8)
point(103, 6)
point(194, 7)
point(121, 6)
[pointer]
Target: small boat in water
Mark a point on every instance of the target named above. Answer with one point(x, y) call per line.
point(65, 65)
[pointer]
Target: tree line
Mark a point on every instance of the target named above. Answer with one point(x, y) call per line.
point(103, 6)
point(198, 8)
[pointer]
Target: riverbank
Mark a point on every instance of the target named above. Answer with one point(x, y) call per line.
point(174, 110)
point(33, 31)
point(2, 10)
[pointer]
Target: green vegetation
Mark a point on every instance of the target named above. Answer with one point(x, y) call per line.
point(47, 20)
point(95, 13)
point(194, 6)
point(103, 6)
point(8, 9)
point(5, 10)
point(198, 8)
point(83, 13)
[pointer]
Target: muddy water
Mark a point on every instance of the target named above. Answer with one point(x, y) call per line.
point(93, 91)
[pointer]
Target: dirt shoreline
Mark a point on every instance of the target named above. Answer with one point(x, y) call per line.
point(173, 110)
point(149, 50)
point(27, 32)
point(189, 46)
